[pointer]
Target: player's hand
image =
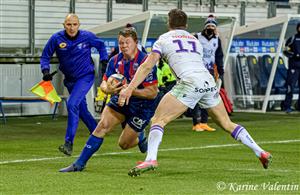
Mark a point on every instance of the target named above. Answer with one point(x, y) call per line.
point(47, 76)
point(125, 95)
point(114, 89)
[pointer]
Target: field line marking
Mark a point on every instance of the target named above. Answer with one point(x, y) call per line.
point(161, 150)
point(275, 170)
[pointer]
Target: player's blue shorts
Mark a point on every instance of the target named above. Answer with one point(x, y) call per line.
point(137, 113)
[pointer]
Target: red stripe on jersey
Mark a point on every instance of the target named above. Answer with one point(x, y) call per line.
point(116, 60)
point(131, 70)
point(104, 78)
point(145, 84)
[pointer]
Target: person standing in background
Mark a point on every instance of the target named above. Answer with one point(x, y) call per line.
point(73, 50)
point(292, 51)
point(212, 56)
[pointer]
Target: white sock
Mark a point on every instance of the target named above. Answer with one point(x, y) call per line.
point(154, 139)
point(241, 134)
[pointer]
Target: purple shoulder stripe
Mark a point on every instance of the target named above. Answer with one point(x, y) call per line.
point(156, 51)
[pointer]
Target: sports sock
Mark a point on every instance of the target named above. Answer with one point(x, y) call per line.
point(141, 136)
point(155, 137)
point(92, 145)
point(241, 134)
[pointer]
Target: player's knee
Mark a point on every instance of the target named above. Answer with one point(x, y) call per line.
point(124, 145)
point(101, 129)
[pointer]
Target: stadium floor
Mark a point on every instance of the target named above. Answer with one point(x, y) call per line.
point(189, 162)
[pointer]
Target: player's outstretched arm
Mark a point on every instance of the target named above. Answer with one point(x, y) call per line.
point(149, 92)
point(140, 75)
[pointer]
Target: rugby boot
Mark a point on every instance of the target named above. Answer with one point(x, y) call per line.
point(72, 168)
point(66, 148)
point(205, 127)
point(143, 167)
point(265, 159)
point(288, 110)
point(197, 128)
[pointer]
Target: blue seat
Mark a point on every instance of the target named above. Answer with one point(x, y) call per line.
point(265, 67)
point(254, 73)
point(237, 79)
point(280, 77)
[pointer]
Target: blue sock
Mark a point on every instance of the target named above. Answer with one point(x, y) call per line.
point(141, 136)
point(92, 145)
point(143, 145)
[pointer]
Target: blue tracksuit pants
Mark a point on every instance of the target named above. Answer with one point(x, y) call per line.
point(77, 106)
point(293, 76)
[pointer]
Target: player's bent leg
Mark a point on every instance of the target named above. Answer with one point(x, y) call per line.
point(128, 138)
point(220, 117)
point(239, 133)
point(107, 122)
point(168, 109)
point(109, 119)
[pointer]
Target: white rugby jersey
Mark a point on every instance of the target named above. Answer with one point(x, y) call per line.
point(209, 50)
point(182, 50)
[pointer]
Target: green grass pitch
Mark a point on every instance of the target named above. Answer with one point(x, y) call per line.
point(189, 162)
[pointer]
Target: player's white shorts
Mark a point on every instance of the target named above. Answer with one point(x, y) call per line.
point(198, 87)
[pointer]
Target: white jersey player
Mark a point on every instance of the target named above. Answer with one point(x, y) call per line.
point(184, 54)
point(182, 50)
point(195, 85)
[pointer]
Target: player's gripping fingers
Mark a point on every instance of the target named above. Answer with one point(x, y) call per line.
point(114, 88)
point(117, 89)
point(121, 100)
point(125, 86)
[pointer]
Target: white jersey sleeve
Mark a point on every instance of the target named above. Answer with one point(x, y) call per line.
point(182, 50)
point(157, 46)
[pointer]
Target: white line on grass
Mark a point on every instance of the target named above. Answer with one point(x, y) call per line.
point(161, 150)
point(260, 170)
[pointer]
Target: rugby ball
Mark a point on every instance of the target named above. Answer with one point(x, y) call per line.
point(116, 80)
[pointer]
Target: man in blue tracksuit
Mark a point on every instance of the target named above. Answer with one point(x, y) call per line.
point(292, 51)
point(73, 49)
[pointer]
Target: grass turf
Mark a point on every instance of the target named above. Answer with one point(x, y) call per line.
point(189, 162)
